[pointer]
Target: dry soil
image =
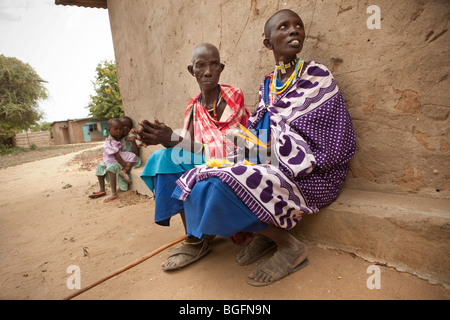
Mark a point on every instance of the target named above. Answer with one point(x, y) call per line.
point(48, 224)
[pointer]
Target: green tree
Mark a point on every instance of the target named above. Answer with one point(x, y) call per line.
point(21, 90)
point(107, 102)
point(41, 126)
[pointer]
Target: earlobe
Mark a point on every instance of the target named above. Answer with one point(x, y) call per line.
point(191, 70)
point(268, 44)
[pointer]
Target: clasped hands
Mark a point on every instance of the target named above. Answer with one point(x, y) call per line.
point(154, 133)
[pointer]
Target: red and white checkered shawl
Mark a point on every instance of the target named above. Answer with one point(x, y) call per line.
point(211, 132)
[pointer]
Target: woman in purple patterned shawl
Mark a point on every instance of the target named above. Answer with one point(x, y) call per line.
point(311, 140)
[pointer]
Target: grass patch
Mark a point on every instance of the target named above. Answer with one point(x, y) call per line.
point(6, 150)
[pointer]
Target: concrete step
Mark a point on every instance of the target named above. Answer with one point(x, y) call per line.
point(407, 232)
point(138, 184)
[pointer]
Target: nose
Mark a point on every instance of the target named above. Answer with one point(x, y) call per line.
point(208, 72)
point(293, 30)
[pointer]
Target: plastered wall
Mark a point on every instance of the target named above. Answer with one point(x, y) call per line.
point(392, 66)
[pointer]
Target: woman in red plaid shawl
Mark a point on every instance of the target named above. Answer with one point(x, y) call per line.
point(207, 119)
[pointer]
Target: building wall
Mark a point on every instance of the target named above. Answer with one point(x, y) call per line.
point(76, 131)
point(394, 79)
point(60, 132)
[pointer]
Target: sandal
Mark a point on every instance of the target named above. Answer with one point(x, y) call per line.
point(111, 198)
point(97, 194)
point(256, 249)
point(278, 268)
point(189, 250)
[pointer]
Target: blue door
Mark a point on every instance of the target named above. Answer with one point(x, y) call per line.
point(86, 134)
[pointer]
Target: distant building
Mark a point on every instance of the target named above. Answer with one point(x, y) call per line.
point(78, 131)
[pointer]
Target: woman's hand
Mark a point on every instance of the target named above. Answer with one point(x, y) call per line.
point(155, 133)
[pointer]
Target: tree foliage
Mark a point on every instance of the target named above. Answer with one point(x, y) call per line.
point(107, 102)
point(21, 90)
point(41, 126)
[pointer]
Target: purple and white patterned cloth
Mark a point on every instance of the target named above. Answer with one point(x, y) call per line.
point(312, 138)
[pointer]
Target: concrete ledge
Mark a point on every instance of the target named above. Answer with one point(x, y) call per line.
point(138, 184)
point(407, 232)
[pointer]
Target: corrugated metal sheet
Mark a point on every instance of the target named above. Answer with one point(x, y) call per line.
point(83, 3)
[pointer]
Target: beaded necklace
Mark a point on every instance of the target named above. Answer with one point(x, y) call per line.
point(216, 103)
point(277, 90)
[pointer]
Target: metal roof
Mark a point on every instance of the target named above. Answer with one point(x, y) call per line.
point(83, 3)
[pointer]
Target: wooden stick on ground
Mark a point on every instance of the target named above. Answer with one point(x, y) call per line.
point(131, 265)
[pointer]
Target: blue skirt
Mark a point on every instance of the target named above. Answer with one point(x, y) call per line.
point(212, 208)
point(168, 161)
point(165, 205)
point(161, 171)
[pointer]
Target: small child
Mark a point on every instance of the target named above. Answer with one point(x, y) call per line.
point(112, 157)
point(129, 142)
point(114, 149)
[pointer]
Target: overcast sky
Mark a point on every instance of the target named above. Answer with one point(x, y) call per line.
point(63, 44)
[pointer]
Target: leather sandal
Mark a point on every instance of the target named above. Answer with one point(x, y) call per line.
point(192, 252)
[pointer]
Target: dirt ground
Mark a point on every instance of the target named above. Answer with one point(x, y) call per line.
point(42, 153)
point(48, 224)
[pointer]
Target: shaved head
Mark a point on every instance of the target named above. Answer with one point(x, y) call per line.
point(203, 48)
point(268, 27)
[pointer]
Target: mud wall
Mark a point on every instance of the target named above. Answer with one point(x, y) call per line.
point(26, 139)
point(391, 64)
